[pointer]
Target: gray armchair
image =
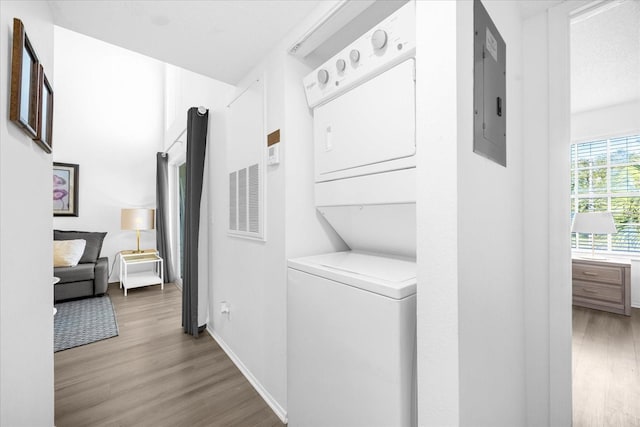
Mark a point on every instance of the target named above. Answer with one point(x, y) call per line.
point(88, 278)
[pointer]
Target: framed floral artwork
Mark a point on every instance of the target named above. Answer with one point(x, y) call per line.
point(65, 189)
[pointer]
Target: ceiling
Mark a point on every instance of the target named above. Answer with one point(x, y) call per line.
point(605, 56)
point(220, 39)
point(532, 8)
point(225, 39)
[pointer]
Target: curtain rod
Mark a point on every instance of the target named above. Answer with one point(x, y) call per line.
point(175, 142)
point(242, 93)
point(201, 112)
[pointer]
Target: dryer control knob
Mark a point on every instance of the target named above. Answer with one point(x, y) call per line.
point(379, 39)
point(341, 65)
point(323, 76)
point(354, 55)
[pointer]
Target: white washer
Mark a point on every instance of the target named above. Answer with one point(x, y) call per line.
point(351, 340)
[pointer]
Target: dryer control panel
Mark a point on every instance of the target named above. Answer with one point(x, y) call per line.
point(387, 44)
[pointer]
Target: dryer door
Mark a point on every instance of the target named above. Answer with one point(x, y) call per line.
point(371, 124)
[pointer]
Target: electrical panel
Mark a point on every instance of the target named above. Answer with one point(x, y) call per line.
point(489, 88)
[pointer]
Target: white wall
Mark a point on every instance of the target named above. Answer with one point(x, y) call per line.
point(536, 208)
point(615, 120)
point(185, 89)
point(490, 215)
point(26, 293)
point(437, 229)
point(109, 120)
point(547, 249)
point(473, 290)
point(252, 275)
point(559, 251)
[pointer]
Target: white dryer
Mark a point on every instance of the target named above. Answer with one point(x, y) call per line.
point(364, 120)
point(351, 340)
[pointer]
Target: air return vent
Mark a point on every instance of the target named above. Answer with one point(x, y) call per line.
point(242, 200)
point(245, 202)
point(254, 199)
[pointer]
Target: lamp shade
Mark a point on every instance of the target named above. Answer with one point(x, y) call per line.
point(594, 222)
point(137, 219)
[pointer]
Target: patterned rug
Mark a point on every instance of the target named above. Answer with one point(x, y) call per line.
point(83, 322)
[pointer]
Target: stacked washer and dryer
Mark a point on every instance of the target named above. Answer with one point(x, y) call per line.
point(352, 315)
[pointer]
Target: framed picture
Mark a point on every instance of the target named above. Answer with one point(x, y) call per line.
point(45, 112)
point(65, 189)
point(23, 108)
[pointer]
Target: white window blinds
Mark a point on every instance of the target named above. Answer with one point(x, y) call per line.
point(605, 176)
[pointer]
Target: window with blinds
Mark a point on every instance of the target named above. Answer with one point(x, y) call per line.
point(605, 176)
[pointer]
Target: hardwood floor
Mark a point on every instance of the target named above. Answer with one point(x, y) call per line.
point(606, 368)
point(153, 374)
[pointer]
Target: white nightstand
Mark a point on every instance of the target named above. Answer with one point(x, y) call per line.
point(149, 259)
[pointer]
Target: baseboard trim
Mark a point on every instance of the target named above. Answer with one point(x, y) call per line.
point(266, 396)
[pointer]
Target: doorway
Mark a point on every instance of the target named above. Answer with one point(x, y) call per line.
point(177, 201)
point(604, 47)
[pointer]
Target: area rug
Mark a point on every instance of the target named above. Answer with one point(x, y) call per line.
point(82, 322)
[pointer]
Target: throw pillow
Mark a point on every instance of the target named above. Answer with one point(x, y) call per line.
point(94, 242)
point(67, 253)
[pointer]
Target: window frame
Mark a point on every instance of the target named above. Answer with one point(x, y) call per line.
point(577, 244)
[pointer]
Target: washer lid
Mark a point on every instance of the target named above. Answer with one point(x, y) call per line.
point(391, 277)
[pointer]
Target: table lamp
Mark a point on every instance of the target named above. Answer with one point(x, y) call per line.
point(137, 219)
point(594, 223)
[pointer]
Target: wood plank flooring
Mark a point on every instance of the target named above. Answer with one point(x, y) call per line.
point(606, 368)
point(153, 374)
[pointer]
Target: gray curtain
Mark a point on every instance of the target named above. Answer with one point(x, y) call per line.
point(162, 215)
point(196, 145)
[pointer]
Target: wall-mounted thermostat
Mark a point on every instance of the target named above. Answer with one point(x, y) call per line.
point(489, 88)
point(273, 148)
point(273, 157)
